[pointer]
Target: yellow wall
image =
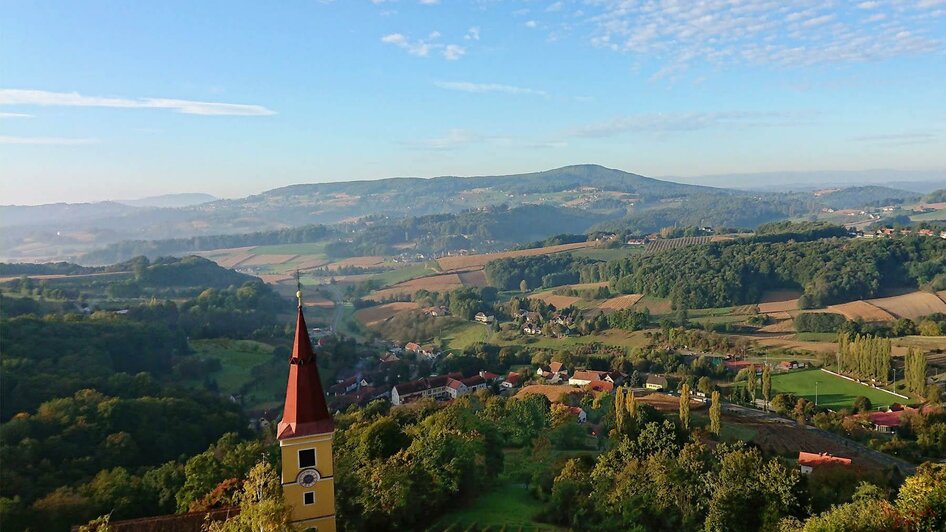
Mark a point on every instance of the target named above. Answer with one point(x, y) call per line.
point(324, 489)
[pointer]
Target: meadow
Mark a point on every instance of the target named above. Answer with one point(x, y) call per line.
point(832, 391)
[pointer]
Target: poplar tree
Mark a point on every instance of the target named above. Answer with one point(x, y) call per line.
point(631, 402)
point(619, 410)
point(715, 414)
point(685, 406)
point(766, 385)
point(751, 382)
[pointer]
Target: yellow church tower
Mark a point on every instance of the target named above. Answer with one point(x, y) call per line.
point(305, 439)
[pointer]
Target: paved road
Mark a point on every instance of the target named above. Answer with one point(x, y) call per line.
point(905, 467)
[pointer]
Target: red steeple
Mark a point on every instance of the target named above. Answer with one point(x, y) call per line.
point(305, 412)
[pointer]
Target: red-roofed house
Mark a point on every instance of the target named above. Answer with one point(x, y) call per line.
point(579, 413)
point(888, 422)
point(601, 386)
point(581, 378)
point(412, 346)
point(808, 461)
point(512, 380)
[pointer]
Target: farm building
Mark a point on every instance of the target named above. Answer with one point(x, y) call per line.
point(656, 382)
point(807, 462)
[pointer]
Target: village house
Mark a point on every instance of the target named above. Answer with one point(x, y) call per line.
point(601, 386)
point(389, 358)
point(582, 378)
point(531, 328)
point(579, 413)
point(656, 382)
point(484, 318)
point(412, 346)
point(511, 381)
point(889, 422)
point(434, 387)
point(807, 462)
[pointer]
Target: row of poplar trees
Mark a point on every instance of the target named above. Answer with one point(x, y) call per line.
point(914, 372)
point(864, 357)
point(625, 411)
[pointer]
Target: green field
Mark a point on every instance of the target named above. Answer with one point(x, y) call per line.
point(464, 334)
point(312, 248)
point(608, 254)
point(833, 392)
point(932, 216)
point(508, 507)
point(402, 274)
point(237, 358)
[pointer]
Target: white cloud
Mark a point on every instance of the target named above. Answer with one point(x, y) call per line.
point(670, 122)
point(531, 24)
point(46, 141)
point(555, 6)
point(74, 99)
point(15, 115)
point(452, 52)
point(472, 34)
point(467, 86)
point(428, 2)
point(423, 47)
point(770, 32)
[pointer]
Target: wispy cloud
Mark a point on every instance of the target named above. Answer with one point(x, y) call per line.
point(770, 32)
point(915, 137)
point(15, 115)
point(468, 86)
point(472, 34)
point(423, 47)
point(670, 122)
point(46, 141)
point(74, 99)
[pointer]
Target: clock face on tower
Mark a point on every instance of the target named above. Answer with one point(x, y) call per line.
point(308, 477)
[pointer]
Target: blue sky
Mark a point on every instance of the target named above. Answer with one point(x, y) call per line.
point(111, 100)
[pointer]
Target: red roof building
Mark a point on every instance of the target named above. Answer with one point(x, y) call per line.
point(305, 411)
point(808, 461)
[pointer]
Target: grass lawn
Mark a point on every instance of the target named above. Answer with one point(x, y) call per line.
point(464, 334)
point(402, 274)
point(237, 358)
point(929, 216)
point(313, 248)
point(607, 254)
point(833, 392)
point(508, 507)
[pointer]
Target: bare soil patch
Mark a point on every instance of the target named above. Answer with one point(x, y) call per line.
point(433, 283)
point(912, 305)
point(475, 278)
point(554, 392)
point(619, 302)
point(862, 310)
point(557, 301)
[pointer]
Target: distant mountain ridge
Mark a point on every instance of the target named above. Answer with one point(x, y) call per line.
point(185, 199)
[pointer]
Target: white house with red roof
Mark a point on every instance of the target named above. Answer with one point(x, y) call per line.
point(807, 462)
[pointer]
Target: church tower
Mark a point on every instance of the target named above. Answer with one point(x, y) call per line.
point(305, 439)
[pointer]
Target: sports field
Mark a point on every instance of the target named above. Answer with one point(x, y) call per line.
point(833, 392)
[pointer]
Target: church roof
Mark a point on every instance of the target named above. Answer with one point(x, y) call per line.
point(305, 412)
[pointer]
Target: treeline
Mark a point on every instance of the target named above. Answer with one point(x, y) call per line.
point(463, 303)
point(492, 227)
point(556, 240)
point(914, 372)
point(736, 272)
point(539, 271)
point(865, 357)
point(127, 249)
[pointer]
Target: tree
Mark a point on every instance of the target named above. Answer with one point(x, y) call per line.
point(620, 412)
point(751, 382)
point(766, 385)
point(632, 404)
point(914, 368)
point(523, 286)
point(862, 404)
point(685, 406)
point(714, 413)
point(262, 505)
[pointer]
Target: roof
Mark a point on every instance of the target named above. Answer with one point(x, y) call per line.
point(816, 459)
point(475, 380)
point(657, 379)
point(556, 366)
point(576, 410)
point(412, 346)
point(588, 375)
point(454, 384)
point(490, 376)
point(512, 377)
point(305, 411)
point(601, 386)
point(889, 419)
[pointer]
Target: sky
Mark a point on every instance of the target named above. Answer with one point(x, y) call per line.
point(118, 100)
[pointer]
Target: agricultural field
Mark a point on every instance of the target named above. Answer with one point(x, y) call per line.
point(608, 254)
point(400, 275)
point(434, 283)
point(618, 303)
point(552, 299)
point(933, 216)
point(861, 310)
point(371, 316)
point(912, 305)
point(663, 244)
point(655, 305)
point(833, 391)
point(476, 262)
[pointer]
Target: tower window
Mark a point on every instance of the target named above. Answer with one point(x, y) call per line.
point(308, 497)
point(307, 458)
